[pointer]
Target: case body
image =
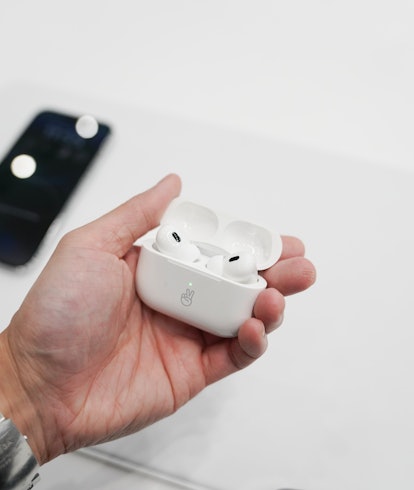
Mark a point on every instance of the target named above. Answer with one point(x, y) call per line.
point(190, 292)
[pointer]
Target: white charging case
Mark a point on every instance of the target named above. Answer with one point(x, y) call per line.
point(190, 292)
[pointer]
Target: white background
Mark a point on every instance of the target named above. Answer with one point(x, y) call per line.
point(312, 103)
point(328, 74)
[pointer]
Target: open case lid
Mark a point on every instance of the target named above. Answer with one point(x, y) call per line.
point(203, 225)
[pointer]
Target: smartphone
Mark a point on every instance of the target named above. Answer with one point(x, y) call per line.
point(39, 174)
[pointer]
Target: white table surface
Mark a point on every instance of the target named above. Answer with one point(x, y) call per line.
point(310, 121)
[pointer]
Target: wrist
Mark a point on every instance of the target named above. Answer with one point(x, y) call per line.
point(17, 406)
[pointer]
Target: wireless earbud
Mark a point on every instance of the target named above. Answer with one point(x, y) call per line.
point(240, 267)
point(170, 241)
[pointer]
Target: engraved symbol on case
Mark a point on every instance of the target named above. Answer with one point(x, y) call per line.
point(187, 297)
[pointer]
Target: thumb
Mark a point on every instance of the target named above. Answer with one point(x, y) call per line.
point(116, 231)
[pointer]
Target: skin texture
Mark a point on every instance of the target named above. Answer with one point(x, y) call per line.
point(83, 361)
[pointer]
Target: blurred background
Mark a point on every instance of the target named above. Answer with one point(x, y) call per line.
point(325, 74)
point(311, 103)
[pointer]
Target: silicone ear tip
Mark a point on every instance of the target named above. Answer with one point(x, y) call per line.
point(241, 267)
point(169, 241)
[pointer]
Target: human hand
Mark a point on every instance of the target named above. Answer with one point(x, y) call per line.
point(84, 361)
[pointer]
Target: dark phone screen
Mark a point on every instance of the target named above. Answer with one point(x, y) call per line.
point(29, 205)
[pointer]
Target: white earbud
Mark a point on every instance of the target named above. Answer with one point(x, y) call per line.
point(240, 267)
point(170, 240)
